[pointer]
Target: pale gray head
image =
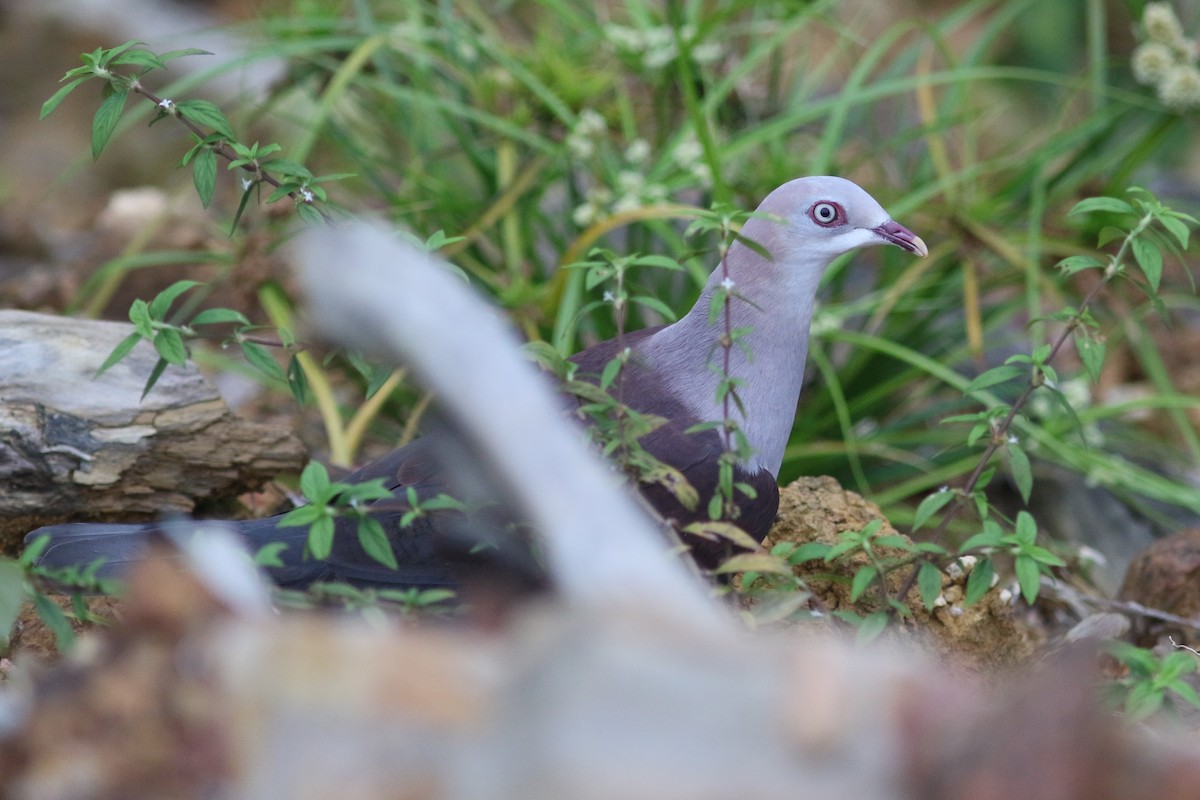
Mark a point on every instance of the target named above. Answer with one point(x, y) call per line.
point(824, 217)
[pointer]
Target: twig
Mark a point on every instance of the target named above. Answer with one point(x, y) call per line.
point(222, 148)
point(1000, 435)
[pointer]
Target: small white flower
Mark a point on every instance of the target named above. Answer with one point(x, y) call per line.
point(246, 184)
point(1151, 62)
point(638, 151)
point(581, 147)
point(166, 104)
point(584, 215)
point(1012, 439)
point(306, 195)
point(1160, 24)
point(625, 38)
point(626, 203)
point(708, 52)
point(727, 284)
point(630, 182)
point(687, 151)
point(608, 296)
point(1180, 88)
point(591, 122)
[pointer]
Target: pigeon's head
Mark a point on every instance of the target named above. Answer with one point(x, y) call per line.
point(824, 217)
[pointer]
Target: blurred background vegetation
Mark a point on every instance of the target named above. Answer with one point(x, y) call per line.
point(535, 130)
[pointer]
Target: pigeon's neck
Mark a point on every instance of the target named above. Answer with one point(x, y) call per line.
point(773, 299)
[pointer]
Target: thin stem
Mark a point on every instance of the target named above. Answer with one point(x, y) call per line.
point(222, 148)
point(1000, 435)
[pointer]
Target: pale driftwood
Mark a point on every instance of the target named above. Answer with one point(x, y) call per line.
point(395, 300)
point(186, 699)
point(201, 693)
point(73, 446)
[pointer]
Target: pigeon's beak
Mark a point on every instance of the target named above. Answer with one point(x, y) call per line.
point(895, 233)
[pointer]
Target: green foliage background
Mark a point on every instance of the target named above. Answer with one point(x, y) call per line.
point(517, 136)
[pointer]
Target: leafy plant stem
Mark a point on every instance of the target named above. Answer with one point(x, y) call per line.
point(1000, 434)
point(221, 148)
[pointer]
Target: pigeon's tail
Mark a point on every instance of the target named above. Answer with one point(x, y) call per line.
point(106, 551)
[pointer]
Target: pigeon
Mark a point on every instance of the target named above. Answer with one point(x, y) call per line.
point(766, 287)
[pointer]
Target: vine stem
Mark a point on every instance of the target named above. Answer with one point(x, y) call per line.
point(1000, 434)
point(222, 148)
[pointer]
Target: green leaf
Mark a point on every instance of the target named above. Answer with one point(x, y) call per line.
point(1174, 226)
point(716, 529)
point(658, 306)
point(308, 214)
point(204, 175)
point(979, 581)
point(262, 360)
point(241, 209)
point(1142, 701)
point(375, 542)
point(218, 316)
point(139, 315)
point(1185, 691)
point(610, 372)
point(314, 481)
point(138, 58)
point(12, 595)
point(297, 380)
point(171, 55)
point(282, 166)
point(56, 620)
point(34, 549)
point(1140, 661)
point(119, 352)
point(1028, 577)
point(56, 98)
point(302, 516)
point(163, 300)
point(320, 538)
point(105, 120)
point(160, 366)
point(1073, 264)
point(994, 376)
point(1022, 473)
point(1026, 528)
point(439, 502)
point(863, 578)
point(1092, 353)
point(1043, 556)
point(809, 551)
point(929, 582)
point(930, 506)
point(206, 114)
point(657, 261)
point(1107, 204)
point(871, 627)
point(268, 554)
point(754, 562)
point(1149, 258)
point(170, 346)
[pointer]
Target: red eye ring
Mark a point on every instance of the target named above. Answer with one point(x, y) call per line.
point(827, 213)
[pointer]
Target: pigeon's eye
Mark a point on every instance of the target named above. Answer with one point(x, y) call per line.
point(827, 214)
